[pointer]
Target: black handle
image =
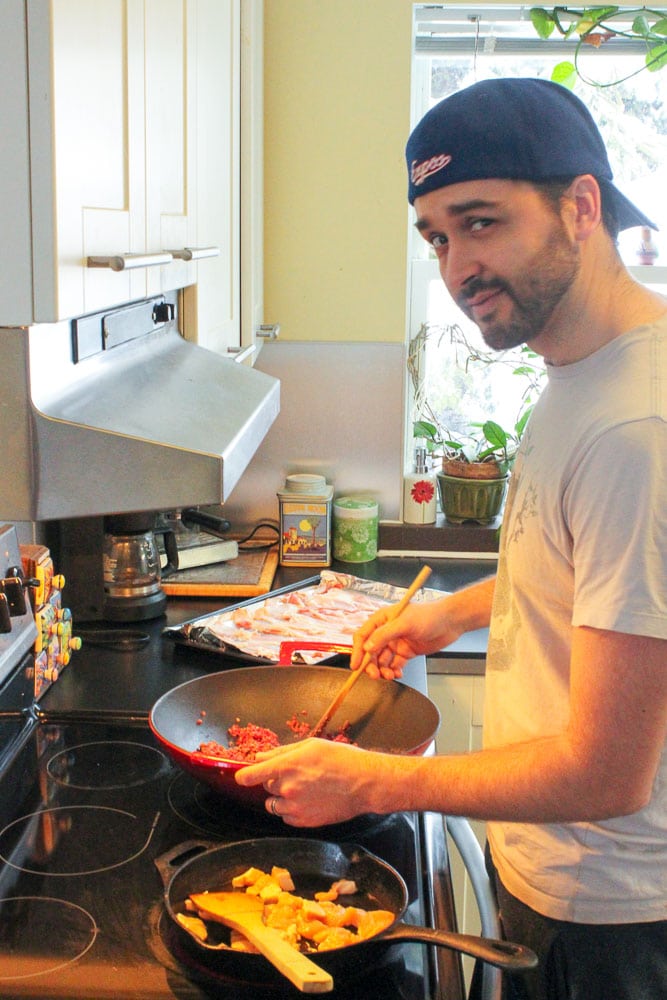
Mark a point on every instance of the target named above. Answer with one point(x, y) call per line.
point(504, 954)
point(171, 551)
point(217, 526)
point(169, 862)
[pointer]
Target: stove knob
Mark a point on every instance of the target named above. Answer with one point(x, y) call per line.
point(5, 614)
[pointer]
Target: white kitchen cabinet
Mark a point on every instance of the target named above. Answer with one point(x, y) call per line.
point(124, 115)
point(460, 700)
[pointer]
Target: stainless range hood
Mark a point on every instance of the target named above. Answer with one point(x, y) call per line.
point(117, 412)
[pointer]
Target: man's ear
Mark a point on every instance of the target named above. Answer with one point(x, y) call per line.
point(586, 200)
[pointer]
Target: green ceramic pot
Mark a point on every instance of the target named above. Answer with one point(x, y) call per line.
point(478, 500)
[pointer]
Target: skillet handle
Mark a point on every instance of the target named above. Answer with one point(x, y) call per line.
point(503, 954)
point(291, 646)
point(176, 856)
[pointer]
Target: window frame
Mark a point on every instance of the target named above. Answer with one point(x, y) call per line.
point(422, 265)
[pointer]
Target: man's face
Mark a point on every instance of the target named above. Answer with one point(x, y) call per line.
point(505, 256)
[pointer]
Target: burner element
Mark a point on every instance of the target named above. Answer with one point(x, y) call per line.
point(68, 838)
point(107, 765)
point(208, 812)
point(60, 933)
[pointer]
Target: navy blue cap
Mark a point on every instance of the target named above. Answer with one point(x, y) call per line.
point(512, 129)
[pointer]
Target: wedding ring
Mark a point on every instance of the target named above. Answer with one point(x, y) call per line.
point(274, 801)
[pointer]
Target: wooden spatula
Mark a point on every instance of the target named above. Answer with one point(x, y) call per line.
point(393, 612)
point(243, 913)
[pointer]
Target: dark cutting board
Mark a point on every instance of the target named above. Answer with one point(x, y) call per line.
point(249, 575)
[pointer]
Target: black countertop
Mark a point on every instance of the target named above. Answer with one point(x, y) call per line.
point(129, 682)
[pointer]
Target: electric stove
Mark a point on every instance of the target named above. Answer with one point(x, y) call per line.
point(92, 814)
point(88, 808)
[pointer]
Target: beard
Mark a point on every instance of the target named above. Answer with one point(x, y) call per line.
point(535, 294)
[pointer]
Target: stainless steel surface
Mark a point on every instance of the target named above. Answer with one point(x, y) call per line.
point(155, 423)
point(268, 331)
point(472, 856)
point(23, 631)
point(341, 416)
point(125, 261)
point(195, 253)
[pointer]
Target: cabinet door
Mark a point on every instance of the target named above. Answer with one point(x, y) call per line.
point(460, 699)
point(87, 151)
point(171, 125)
point(212, 307)
point(134, 147)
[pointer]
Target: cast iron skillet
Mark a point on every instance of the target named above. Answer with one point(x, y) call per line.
point(383, 715)
point(314, 865)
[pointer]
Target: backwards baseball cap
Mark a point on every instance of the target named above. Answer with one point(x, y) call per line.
point(512, 129)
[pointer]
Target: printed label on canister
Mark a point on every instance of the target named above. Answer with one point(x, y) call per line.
point(355, 529)
point(305, 530)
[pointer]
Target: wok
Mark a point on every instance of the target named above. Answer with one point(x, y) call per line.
point(383, 715)
point(314, 865)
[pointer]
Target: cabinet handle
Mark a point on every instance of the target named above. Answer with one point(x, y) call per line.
point(194, 253)
point(268, 331)
point(125, 261)
point(242, 353)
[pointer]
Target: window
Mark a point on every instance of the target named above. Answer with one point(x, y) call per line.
point(455, 46)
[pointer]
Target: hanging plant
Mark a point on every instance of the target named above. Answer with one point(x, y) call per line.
point(486, 441)
point(595, 27)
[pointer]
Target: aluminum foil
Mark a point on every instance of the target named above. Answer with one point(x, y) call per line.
point(329, 611)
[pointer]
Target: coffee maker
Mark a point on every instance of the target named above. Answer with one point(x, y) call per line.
point(131, 569)
point(112, 563)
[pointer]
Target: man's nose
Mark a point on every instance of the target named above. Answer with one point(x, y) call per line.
point(458, 267)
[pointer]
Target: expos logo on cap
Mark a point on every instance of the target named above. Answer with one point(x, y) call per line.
point(420, 171)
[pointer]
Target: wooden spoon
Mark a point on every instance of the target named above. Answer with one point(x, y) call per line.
point(243, 913)
point(393, 612)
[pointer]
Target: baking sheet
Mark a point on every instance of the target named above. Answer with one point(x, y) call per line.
point(327, 608)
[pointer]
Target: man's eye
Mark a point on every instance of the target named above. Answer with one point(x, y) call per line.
point(478, 224)
point(437, 242)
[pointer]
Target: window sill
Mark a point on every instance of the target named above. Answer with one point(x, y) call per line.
point(394, 536)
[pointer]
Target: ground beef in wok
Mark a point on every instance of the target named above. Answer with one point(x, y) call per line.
point(248, 741)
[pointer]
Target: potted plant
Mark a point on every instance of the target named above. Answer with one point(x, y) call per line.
point(475, 463)
point(475, 467)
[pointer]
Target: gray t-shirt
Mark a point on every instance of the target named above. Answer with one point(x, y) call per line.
point(584, 543)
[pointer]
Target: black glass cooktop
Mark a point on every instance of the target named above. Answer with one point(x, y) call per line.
point(86, 809)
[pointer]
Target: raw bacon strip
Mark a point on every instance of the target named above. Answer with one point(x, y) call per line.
point(327, 612)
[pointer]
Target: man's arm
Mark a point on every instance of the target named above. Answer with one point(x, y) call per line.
point(421, 628)
point(602, 765)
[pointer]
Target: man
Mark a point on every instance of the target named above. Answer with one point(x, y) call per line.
point(512, 188)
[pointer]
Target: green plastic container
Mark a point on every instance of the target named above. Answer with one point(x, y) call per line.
point(355, 529)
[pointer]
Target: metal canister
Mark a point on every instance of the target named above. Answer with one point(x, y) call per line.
point(355, 529)
point(305, 520)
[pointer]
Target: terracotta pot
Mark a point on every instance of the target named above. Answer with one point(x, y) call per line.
point(471, 470)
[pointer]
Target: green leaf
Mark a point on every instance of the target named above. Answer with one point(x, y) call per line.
point(543, 22)
point(599, 14)
point(660, 27)
point(640, 26)
point(424, 429)
point(656, 57)
point(520, 425)
point(565, 73)
point(494, 434)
